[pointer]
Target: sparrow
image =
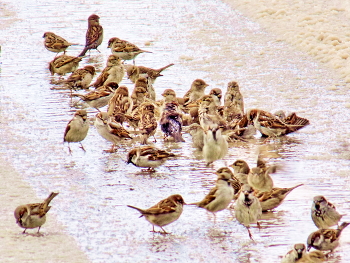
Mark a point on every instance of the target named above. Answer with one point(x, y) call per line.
point(323, 213)
point(209, 116)
point(148, 122)
point(171, 122)
point(220, 196)
point(163, 213)
point(33, 215)
point(145, 83)
point(148, 156)
point(196, 91)
point(215, 145)
point(55, 43)
point(81, 78)
point(325, 239)
point(138, 96)
point(197, 133)
point(120, 104)
point(100, 97)
point(216, 94)
point(233, 101)
point(77, 129)
point(271, 126)
point(64, 64)
point(259, 177)
point(124, 49)
point(241, 170)
point(248, 208)
point(313, 257)
point(298, 251)
point(110, 130)
point(94, 34)
point(134, 72)
point(113, 72)
point(275, 197)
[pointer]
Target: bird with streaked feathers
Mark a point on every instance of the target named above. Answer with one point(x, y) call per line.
point(171, 122)
point(99, 97)
point(120, 104)
point(124, 49)
point(134, 72)
point(81, 78)
point(148, 156)
point(113, 72)
point(94, 34)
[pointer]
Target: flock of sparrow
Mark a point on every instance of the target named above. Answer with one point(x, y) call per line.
point(210, 125)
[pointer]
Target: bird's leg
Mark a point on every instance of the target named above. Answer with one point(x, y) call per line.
point(250, 234)
point(258, 224)
point(24, 231)
point(154, 138)
point(164, 232)
point(70, 150)
point(82, 147)
point(39, 229)
point(98, 50)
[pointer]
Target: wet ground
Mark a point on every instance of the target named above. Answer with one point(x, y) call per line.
point(204, 40)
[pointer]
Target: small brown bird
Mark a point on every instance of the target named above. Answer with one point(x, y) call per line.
point(259, 177)
point(171, 122)
point(64, 64)
point(197, 133)
point(33, 215)
point(196, 91)
point(248, 208)
point(94, 34)
point(163, 213)
point(120, 104)
point(134, 72)
point(110, 130)
point(233, 102)
point(55, 43)
point(148, 156)
point(124, 49)
point(113, 72)
point(241, 170)
point(215, 145)
point(100, 97)
point(77, 129)
point(326, 239)
point(148, 122)
point(270, 125)
point(216, 94)
point(298, 251)
point(81, 78)
point(220, 196)
point(138, 96)
point(324, 213)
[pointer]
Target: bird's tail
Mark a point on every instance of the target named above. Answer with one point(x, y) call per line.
point(44, 208)
point(83, 52)
point(167, 66)
point(138, 209)
point(342, 226)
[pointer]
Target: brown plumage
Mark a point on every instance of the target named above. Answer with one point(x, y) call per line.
point(113, 72)
point(81, 78)
point(55, 43)
point(94, 34)
point(124, 49)
point(171, 122)
point(64, 64)
point(148, 123)
point(134, 72)
point(120, 104)
point(270, 125)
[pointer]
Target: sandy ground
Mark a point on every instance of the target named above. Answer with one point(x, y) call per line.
point(11, 235)
point(320, 28)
